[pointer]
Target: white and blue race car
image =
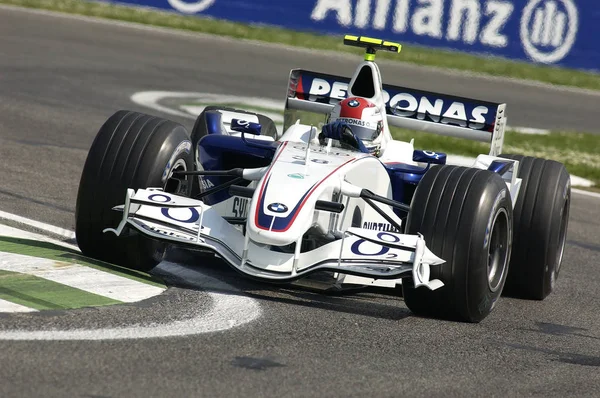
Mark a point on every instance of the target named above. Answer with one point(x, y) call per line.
point(284, 207)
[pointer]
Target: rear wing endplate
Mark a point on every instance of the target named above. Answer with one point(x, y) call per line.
point(407, 108)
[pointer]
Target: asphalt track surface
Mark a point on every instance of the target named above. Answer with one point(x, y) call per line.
point(60, 78)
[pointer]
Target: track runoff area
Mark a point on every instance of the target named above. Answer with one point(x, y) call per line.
point(42, 273)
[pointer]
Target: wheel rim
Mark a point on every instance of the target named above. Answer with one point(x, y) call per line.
point(179, 165)
point(498, 251)
point(562, 239)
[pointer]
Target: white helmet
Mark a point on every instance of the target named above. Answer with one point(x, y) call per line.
point(363, 117)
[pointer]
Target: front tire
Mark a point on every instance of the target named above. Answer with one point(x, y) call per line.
point(541, 221)
point(465, 216)
point(131, 150)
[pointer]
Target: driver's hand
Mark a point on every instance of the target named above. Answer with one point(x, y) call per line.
point(335, 130)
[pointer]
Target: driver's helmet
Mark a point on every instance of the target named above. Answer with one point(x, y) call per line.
point(363, 117)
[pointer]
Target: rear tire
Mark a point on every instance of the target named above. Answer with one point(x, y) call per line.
point(131, 150)
point(465, 216)
point(541, 220)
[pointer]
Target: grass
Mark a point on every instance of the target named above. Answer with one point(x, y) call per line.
point(579, 152)
point(43, 294)
point(415, 55)
point(53, 252)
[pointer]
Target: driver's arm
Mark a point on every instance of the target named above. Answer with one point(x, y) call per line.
point(341, 132)
point(335, 130)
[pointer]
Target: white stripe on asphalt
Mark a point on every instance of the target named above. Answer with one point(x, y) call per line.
point(528, 130)
point(229, 309)
point(5, 230)
point(7, 306)
point(469, 161)
point(151, 100)
point(586, 193)
point(39, 225)
point(81, 277)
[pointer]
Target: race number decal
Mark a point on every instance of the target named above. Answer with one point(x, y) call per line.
point(240, 207)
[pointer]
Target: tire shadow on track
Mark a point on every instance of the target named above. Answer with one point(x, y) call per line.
point(564, 357)
point(585, 245)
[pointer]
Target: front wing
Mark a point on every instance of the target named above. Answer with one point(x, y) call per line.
point(359, 252)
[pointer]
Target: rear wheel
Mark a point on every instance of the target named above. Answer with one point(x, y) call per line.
point(131, 150)
point(465, 216)
point(541, 220)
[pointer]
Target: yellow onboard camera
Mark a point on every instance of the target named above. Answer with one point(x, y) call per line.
point(372, 45)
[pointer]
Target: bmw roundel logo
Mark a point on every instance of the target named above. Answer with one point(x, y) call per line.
point(353, 104)
point(277, 207)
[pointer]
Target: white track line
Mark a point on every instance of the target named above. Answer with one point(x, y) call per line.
point(80, 277)
point(229, 310)
point(528, 130)
point(586, 193)
point(7, 306)
point(65, 233)
point(150, 99)
point(5, 230)
point(469, 161)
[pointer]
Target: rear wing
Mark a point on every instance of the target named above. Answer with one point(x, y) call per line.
point(407, 108)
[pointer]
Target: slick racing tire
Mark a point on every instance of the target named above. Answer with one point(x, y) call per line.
point(131, 150)
point(465, 217)
point(540, 227)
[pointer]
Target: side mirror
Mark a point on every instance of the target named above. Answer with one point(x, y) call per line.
point(244, 126)
point(429, 157)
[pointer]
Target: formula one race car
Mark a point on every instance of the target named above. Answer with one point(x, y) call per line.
point(320, 204)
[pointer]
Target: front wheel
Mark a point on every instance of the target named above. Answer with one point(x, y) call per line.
point(465, 216)
point(131, 150)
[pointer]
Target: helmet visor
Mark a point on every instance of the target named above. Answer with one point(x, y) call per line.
point(364, 131)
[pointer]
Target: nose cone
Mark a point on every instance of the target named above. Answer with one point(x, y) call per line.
point(283, 209)
point(283, 206)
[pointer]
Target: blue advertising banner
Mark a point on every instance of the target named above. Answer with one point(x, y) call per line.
point(556, 32)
